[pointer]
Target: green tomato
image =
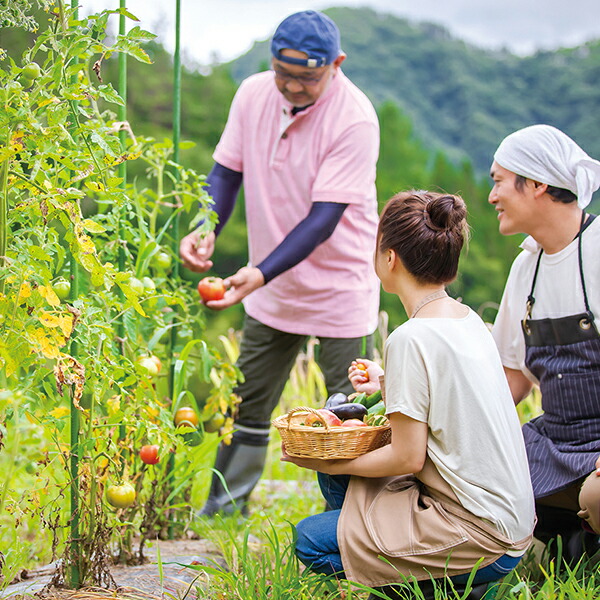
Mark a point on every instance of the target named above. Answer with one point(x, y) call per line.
point(31, 71)
point(214, 423)
point(62, 288)
point(149, 285)
point(136, 285)
point(161, 260)
point(26, 82)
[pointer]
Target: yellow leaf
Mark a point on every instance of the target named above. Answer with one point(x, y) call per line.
point(59, 412)
point(49, 320)
point(66, 324)
point(49, 295)
point(24, 291)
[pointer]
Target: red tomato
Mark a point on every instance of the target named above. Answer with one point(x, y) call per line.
point(353, 423)
point(313, 420)
point(211, 288)
point(149, 454)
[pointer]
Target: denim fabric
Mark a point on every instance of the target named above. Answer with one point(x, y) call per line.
point(317, 545)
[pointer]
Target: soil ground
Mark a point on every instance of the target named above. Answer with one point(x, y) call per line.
point(138, 582)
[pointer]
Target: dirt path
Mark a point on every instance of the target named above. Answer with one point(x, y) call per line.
point(144, 581)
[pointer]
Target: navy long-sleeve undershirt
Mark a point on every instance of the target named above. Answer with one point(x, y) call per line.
point(313, 230)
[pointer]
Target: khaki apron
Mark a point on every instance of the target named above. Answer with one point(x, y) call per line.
point(397, 527)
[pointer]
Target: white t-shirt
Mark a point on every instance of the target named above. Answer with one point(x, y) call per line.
point(558, 292)
point(447, 373)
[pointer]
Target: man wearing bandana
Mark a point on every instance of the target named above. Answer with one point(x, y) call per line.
point(546, 330)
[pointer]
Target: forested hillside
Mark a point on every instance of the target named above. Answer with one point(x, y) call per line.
point(443, 106)
point(461, 98)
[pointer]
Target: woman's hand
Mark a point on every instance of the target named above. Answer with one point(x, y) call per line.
point(364, 375)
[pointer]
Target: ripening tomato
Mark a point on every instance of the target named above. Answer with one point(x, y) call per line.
point(121, 496)
point(149, 454)
point(148, 365)
point(211, 288)
point(186, 416)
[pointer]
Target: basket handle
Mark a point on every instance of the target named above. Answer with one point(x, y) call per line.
point(307, 409)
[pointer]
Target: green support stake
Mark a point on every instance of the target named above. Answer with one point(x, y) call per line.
point(74, 574)
point(175, 222)
point(123, 174)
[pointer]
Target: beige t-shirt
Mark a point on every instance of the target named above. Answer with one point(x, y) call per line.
point(447, 373)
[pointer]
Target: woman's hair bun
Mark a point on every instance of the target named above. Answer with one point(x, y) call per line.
point(445, 212)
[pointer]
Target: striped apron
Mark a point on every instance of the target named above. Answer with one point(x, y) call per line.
point(563, 443)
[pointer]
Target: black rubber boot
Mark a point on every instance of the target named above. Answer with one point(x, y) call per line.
point(240, 465)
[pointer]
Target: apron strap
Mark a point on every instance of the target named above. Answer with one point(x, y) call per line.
point(531, 299)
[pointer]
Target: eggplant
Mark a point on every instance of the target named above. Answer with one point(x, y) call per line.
point(349, 410)
point(335, 400)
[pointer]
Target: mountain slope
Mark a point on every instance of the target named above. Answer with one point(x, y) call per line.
point(461, 98)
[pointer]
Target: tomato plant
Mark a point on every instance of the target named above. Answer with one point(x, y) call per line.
point(211, 288)
point(149, 454)
point(121, 496)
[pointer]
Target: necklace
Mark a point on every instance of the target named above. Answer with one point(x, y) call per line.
point(435, 296)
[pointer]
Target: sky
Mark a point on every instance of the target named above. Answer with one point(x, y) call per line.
point(220, 30)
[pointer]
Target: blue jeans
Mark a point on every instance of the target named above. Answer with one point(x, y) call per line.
point(317, 545)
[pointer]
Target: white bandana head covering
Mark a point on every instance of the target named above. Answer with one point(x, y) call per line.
point(546, 154)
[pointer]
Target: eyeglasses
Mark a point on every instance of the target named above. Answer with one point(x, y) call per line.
point(301, 79)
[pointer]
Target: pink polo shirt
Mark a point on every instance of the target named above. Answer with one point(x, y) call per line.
point(326, 153)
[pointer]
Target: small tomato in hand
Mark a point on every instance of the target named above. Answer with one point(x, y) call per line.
point(211, 288)
point(186, 416)
point(121, 496)
point(149, 454)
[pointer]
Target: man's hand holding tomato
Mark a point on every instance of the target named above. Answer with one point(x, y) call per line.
point(244, 282)
point(364, 375)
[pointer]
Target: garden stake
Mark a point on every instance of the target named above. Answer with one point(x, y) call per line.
point(174, 209)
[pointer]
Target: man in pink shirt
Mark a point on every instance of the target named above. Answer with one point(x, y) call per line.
point(304, 140)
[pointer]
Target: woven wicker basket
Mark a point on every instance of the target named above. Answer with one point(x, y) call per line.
point(327, 442)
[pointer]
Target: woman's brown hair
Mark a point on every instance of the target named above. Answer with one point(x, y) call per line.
point(427, 231)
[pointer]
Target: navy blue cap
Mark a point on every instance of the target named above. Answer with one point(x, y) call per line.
point(310, 32)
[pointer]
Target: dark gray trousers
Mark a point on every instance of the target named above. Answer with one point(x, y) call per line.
point(266, 359)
